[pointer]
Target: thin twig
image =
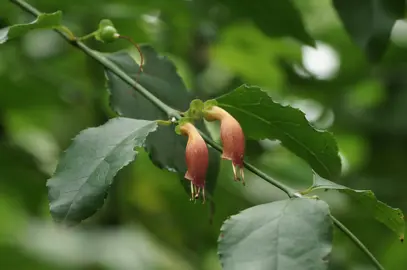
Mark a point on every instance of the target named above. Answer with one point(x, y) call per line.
point(174, 113)
point(357, 242)
point(139, 51)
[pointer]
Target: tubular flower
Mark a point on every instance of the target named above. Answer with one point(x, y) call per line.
point(196, 155)
point(232, 137)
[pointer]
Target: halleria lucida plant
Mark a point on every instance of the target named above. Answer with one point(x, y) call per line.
point(161, 117)
point(232, 137)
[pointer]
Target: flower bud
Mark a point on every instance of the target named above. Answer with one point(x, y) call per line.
point(232, 137)
point(197, 159)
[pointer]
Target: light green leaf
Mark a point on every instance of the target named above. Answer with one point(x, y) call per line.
point(370, 22)
point(262, 118)
point(166, 148)
point(393, 218)
point(44, 21)
point(86, 170)
point(288, 234)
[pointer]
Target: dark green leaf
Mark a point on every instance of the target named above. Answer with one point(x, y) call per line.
point(86, 170)
point(369, 22)
point(262, 118)
point(44, 21)
point(274, 18)
point(288, 234)
point(165, 147)
point(391, 217)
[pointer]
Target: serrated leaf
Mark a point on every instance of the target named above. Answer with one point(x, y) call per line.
point(86, 170)
point(159, 76)
point(274, 18)
point(393, 218)
point(262, 118)
point(43, 21)
point(370, 22)
point(288, 234)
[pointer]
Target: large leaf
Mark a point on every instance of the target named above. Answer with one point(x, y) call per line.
point(44, 21)
point(274, 18)
point(288, 234)
point(393, 218)
point(165, 147)
point(86, 170)
point(370, 22)
point(262, 118)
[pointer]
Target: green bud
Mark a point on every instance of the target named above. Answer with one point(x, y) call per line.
point(195, 109)
point(106, 32)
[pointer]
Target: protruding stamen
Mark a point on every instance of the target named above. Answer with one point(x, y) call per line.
point(234, 173)
point(203, 195)
point(241, 169)
point(192, 192)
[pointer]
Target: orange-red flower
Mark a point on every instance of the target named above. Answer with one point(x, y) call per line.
point(232, 137)
point(196, 155)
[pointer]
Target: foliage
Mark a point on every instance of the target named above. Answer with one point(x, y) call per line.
point(84, 174)
point(259, 236)
point(391, 217)
point(44, 21)
point(262, 118)
point(201, 54)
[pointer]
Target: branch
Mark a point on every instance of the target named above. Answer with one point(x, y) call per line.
point(357, 242)
point(106, 63)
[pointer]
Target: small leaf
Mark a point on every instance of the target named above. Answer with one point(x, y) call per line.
point(262, 118)
point(86, 170)
point(370, 22)
point(288, 234)
point(393, 218)
point(274, 18)
point(44, 21)
point(160, 77)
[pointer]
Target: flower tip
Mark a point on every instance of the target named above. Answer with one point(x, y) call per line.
point(195, 193)
point(239, 177)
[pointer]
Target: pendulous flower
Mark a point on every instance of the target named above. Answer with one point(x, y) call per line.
point(232, 137)
point(196, 155)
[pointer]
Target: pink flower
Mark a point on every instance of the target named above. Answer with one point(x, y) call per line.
point(232, 137)
point(197, 158)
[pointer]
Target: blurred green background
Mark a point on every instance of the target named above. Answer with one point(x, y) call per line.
point(49, 91)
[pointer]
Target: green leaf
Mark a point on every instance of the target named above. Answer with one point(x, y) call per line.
point(370, 22)
point(195, 109)
point(165, 147)
point(86, 170)
point(44, 21)
point(288, 234)
point(262, 118)
point(393, 218)
point(273, 18)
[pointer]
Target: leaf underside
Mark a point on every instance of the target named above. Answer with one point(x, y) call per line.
point(86, 170)
point(288, 234)
point(44, 21)
point(393, 218)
